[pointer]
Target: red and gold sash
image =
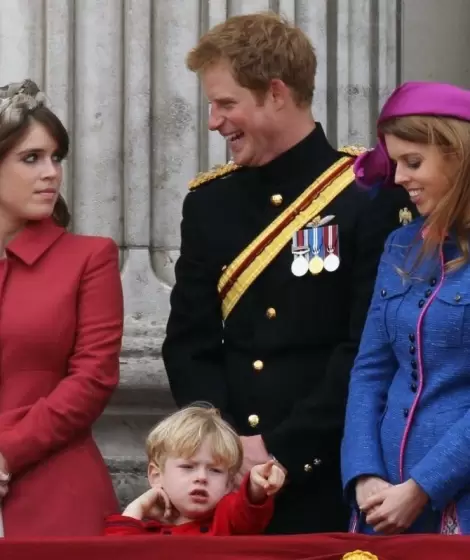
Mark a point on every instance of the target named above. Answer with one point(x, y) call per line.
point(252, 261)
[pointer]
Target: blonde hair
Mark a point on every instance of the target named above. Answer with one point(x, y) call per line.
point(181, 434)
point(259, 48)
point(452, 138)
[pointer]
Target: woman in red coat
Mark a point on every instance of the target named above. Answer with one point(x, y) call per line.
point(61, 320)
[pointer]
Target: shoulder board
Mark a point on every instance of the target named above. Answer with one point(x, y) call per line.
point(225, 169)
point(214, 173)
point(353, 150)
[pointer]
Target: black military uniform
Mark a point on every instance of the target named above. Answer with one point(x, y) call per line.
point(280, 364)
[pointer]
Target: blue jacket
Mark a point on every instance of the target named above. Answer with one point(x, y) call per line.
point(408, 412)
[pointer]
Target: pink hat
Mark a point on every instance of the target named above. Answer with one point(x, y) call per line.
point(411, 98)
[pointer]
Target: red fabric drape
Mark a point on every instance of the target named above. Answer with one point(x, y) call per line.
point(304, 547)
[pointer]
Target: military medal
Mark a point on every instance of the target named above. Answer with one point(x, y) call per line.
point(300, 250)
point(332, 248)
point(315, 242)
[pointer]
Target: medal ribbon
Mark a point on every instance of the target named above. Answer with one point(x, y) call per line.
point(331, 240)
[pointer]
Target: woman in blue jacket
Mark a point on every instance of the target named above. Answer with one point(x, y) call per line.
point(406, 447)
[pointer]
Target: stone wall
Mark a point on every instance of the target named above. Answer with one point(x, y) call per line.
point(114, 71)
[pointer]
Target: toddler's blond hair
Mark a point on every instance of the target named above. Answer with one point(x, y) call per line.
point(182, 433)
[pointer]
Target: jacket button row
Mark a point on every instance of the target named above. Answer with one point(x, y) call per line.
point(308, 468)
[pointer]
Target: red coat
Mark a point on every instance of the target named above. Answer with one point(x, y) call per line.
point(234, 515)
point(61, 320)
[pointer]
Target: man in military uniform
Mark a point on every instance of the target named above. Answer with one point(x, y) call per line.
point(279, 253)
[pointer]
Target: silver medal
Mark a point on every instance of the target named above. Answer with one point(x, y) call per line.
point(331, 262)
point(300, 266)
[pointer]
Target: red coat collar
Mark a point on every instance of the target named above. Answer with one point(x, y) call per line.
point(34, 240)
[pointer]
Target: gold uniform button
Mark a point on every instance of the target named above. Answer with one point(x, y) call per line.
point(276, 199)
point(308, 468)
point(258, 365)
point(253, 420)
point(271, 313)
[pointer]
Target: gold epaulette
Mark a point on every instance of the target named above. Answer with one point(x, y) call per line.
point(214, 173)
point(224, 169)
point(353, 150)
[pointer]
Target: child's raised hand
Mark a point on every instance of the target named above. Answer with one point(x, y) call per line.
point(266, 480)
point(153, 504)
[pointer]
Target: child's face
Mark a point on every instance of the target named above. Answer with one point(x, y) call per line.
point(196, 485)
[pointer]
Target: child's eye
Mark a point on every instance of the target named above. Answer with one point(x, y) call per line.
point(216, 470)
point(186, 466)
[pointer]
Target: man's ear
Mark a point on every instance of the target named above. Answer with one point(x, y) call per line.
point(280, 93)
point(153, 474)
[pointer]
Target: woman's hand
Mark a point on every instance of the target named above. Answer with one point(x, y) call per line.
point(366, 487)
point(394, 509)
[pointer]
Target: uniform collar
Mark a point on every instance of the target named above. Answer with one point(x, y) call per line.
point(314, 148)
point(34, 240)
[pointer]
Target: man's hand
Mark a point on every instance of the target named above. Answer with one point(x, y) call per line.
point(265, 480)
point(153, 504)
point(394, 509)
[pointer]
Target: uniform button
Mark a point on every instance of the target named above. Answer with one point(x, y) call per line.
point(427, 293)
point(412, 349)
point(383, 293)
point(414, 364)
point(421, 303)
point(276, 199)
point(308, 468)
point(412, 337)
point(457, 297)
point(317, 462)
point(271, 313)
point(414, 387)
point(258, 365)
point(253, 420)
point(414, 375)
point(204, 529)
point(433, 281)
point(406, 412)
point(224, 267)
